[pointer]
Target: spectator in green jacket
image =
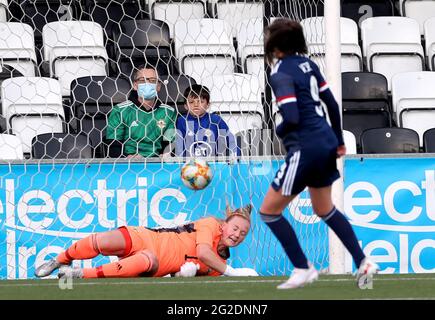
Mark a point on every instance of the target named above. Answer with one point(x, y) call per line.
point(141, 126)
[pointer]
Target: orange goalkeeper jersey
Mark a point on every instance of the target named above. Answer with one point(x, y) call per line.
point(174, 246)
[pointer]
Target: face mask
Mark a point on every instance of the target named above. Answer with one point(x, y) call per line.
point(147, 91)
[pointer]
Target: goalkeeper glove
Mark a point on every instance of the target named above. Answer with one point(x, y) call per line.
point(240, 272)
point(188, 269)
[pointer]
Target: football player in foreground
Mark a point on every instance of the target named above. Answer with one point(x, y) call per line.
point(312, 149)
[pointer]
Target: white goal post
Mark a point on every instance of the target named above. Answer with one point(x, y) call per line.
point(333, 75)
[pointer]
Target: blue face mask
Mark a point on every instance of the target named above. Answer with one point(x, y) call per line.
point(147, 91)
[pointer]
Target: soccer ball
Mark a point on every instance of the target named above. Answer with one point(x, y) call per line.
point(196, 174)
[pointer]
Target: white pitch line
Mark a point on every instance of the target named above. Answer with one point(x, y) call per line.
point(408, 298)
point(3, 285)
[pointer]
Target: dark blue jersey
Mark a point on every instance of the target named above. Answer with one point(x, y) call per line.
point(208, 135)
point(299, 88)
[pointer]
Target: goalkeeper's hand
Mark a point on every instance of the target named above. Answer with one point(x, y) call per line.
point(188, 269)
point(240, 272)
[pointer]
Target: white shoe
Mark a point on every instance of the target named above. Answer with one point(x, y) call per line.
point(300, 277)
point(69, 272)
point(365, 272)
point(47, 268)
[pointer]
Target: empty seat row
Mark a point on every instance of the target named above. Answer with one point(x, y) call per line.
point(390, 45)
point(253, 142)
point(204, 47)
point(107, 13)
point(33, 105)
point(47, 146)
point(260, 142)
point(396, 140)
point(366, 101)
point(71, 49)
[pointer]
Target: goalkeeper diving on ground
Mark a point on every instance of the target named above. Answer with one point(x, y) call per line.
point(200, 248)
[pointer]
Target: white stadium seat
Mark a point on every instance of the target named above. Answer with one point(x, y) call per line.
point(234, 12)
point(413, 97)
point(237, 98)
point(3, 10)
point(392, 45)
point(420, 10)
point(172, 12)
point(351, 57)
point(10, 147)
point(32, 106)
point(349, 142)
point(204, 47)
point(74, 49)
point(250, 47)
point(429, 35)
point(17, 47)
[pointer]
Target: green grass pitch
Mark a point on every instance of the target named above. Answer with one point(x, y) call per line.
point(409, 286)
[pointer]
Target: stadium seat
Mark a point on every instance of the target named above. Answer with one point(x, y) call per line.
point(365, 102)
point(172, 90)
point(61, 146)
point(32, 106)
point(392, 45)
point(237, 99)
point(7, 72)
point(171, 11)
point(109, 13)
point(92, 99)
point(350, 142)
point(351, 57)
point(420, 10)
point(3, 10)
point(17, 47)
point(297, 10)
point(235, 11)
point(414, 100)
point(37, 13)
point(140, 42)
point(359, 10)
point(74, 49)
point(429, 140)
point(250, 47)
point(255, 142)
point(10, 147)
point(389, 140)
point(429, 36)
point(204, 47)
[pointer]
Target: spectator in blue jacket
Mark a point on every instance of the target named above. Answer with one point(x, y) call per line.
point(199, 133)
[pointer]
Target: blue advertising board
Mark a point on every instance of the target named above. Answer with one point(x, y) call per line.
point(391, 205)
point(45, 207)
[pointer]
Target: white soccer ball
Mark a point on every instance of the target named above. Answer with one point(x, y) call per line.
point(196, 174)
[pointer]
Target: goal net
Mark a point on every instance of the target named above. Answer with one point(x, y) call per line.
point(74, 163)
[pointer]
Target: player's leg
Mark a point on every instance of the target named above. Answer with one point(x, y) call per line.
point(321, 201)
point(105, 243)
point(288, 183)
point(143, 263)
point(137, 255)
point(271, 213)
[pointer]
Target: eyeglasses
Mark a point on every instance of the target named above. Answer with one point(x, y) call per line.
point(146, 80)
